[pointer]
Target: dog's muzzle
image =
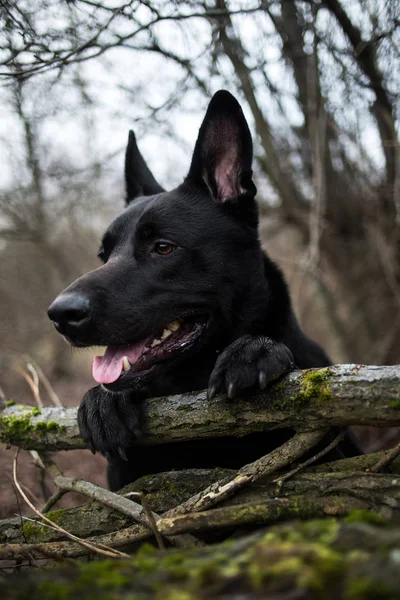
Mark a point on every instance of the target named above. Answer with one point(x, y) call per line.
point(70, 313)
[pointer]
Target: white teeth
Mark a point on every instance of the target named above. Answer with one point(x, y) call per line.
point(174, 326)
point(126, 363)
point(155, 343)
point(166, 333)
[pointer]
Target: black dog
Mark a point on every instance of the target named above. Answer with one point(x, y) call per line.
point(185, 299)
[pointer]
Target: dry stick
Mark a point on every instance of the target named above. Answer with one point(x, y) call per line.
point(127, 507)
point(54, 498)
point(48, 387)
point(278, 458)
point(3, 397)
point(69, 549)
point(108, 552)
point(386, 460)
point(150, 515)
point(32, 384)
point(313, 459)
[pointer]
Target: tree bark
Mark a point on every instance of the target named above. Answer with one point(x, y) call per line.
point(304, 400)
point(333, 488)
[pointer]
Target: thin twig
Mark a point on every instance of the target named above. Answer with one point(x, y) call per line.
point(298, 445)
point(386, 460)
point(124, 505)
point(110, 552)
point(150, 515)
point(32, 384)
point(54, 498)
point(312, 460)
point(48, 387)
point(3, 397)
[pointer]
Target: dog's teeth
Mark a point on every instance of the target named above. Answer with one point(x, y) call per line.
point(166, 333)
point(174, 326)
point(155, 343)
point(126, 363)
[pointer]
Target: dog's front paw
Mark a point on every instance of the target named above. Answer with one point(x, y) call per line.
point(248, 362)
point(109, 423)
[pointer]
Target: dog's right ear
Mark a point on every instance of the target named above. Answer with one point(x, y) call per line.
point(138, 177)
point(223, 153)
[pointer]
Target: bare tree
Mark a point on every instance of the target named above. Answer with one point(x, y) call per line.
point(320, 80)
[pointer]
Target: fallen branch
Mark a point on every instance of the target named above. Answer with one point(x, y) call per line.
point(294, 448)
point(124, 505)
point(389, 457)
point(377, 492)
point(272, 511)
point(340, 395)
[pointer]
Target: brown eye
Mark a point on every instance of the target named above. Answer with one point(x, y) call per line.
point(164, 248)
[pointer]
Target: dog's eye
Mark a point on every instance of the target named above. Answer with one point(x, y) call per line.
point(164, 248)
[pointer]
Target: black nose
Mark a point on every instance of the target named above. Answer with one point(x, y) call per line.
point(69, 312)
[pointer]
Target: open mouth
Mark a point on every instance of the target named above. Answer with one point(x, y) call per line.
point(122, 362)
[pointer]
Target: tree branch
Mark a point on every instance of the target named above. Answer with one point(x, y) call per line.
point(304, 400)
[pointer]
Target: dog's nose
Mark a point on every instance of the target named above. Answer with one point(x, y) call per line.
point(69, 312)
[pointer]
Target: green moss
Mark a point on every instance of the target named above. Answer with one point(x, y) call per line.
point(184, 407)
point(42, 428)
point(364, 588)
point(395, 404)
point(313, 388)
point(52, 590)
point(33, 531)
point(170, 486)
point(107, 574)
point(321, 531)
point(360, 515)
point(10, 403)
point(282, 385)
point(56, 515)
point(303, 558)
point(15, 428)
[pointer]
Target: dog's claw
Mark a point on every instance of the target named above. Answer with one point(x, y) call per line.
point(249, 362)
point(262, 380)
point(211, 392)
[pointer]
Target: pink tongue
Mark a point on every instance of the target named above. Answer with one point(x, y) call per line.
point(107, 368)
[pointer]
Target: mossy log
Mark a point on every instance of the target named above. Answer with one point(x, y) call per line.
point(311, 494)
point(304, 400)
point(318, 560)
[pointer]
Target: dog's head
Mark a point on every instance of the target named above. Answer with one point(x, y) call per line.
point(177, 266)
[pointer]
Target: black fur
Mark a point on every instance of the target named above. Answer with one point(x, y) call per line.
point(216, 272)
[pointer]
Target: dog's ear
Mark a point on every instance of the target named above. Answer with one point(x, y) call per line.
point(138, 177)
point(223, 153)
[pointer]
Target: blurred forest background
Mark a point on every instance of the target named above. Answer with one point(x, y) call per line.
point(319, 81)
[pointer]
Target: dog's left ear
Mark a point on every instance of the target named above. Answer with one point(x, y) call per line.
point(138, 177)
point(223, 153)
